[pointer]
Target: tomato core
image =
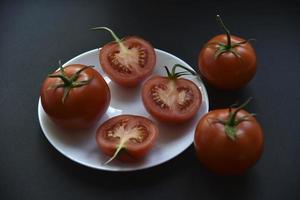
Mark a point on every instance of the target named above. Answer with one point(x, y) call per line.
point(128, 59)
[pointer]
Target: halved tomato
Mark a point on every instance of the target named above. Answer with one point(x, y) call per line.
point(171, 99)
point(126, 137)
point(127, 61)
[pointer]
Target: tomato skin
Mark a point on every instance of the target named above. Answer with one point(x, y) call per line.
point(131, 152)
point(128, 80)
point(227, 71)
point(84, 105)
point(222, 155)
point(170, 116)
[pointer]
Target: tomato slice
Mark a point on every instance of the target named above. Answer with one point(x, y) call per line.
point(130, 63)
point(170, 100)
point(126, 137)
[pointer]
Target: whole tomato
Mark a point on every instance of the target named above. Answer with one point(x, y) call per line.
point(227, 62)
point(127, 61)
point(75, 96)
point(228, 142)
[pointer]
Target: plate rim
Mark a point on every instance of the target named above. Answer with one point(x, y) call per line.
point(78, 161)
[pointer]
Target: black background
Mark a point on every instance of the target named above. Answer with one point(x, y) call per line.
point(35, 34)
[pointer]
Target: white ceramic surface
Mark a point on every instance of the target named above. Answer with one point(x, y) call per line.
point(82, 148)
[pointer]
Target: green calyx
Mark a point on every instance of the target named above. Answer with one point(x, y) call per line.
point(174, 75)
point(229, 46)
point(67, 83)
point(232, 122)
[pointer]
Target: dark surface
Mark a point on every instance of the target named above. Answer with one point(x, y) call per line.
point(34, 35)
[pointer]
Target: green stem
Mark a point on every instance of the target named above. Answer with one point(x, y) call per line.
point(183, 67)
point(220, 21)
point(116, 38)
point(174, 75)
point(120, 147)
point(232, 121)
point(61, 67)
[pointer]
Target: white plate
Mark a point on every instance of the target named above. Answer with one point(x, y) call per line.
point(82, 147)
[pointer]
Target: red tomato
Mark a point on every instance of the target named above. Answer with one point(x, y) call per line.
point(171, 99)
point(227, 62)
point(126, 137)
point(128, 61)
point(76, 99)
point(228, 143)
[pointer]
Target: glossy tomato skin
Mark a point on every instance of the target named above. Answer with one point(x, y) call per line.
point(222, 155)
point(171, 115)
point(84, 105)
point(132, 151)
point(143, 67)
point(227, 72)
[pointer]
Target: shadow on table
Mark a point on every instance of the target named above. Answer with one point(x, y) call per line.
point(224, 187)
point(223, 99)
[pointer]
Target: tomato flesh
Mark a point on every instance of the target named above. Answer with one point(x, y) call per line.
point(130, 63)
point(136, 134)
point(171, 100)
